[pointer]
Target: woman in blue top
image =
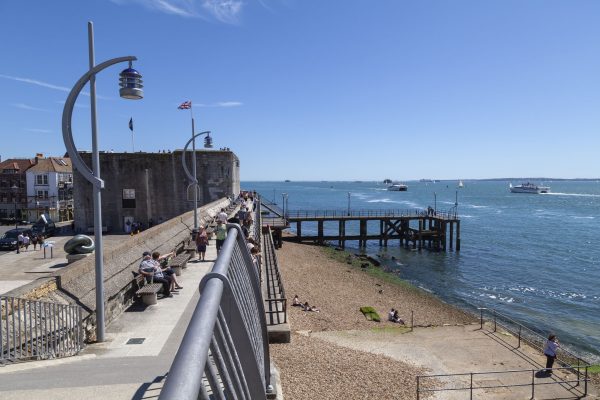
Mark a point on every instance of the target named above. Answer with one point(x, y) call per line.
point(550, 349)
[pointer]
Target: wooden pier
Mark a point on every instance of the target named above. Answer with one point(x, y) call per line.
point(417, 229)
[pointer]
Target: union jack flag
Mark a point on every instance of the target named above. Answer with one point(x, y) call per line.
point(186, 105)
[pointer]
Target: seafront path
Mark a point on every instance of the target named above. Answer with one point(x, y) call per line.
point(113, 369)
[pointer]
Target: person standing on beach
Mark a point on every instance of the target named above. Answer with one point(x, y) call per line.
point(550, 349)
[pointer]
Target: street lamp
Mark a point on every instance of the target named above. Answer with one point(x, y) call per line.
point(435, 202)
point(193, 179)
point(130, 88)
point(15, 190)
point(348, 203)
point(283, 201)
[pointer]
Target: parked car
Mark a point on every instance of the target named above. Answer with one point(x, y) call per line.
point(44, 226)
point(9, 240)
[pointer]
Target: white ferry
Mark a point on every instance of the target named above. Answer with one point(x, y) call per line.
point(398, 187)
point(529, 188)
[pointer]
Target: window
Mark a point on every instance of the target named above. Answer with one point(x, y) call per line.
point(42, 194)
point(41, 179)
point(128, 198)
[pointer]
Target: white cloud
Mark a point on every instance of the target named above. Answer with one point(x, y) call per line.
point(35, 130)
point(226, 11)
point(229, 104)
point(223, 10)
point(27, 107)
point(221, 104)
point(47, 85)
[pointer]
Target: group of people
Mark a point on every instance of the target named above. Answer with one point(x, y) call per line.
point(24, 240)
point(393, 316)
point(155, 269)
point(305, 306)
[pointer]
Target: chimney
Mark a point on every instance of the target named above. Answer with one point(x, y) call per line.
point(38, 156)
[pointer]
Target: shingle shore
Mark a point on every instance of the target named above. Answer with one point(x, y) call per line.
point(314, 369)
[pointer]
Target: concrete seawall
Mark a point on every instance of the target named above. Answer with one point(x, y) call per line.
point(75, 283)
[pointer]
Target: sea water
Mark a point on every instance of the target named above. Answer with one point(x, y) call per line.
point(533, 257)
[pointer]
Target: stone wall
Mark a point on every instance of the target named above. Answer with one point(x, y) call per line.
point(75, 283)
point(158, 183)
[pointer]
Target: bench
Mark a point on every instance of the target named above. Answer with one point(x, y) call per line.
point(179, 262)
point(190, 248)
point(147, 291)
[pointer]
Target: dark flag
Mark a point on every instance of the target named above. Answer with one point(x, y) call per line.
point(131, 124)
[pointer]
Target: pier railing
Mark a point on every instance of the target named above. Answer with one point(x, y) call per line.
point(523, 333)
point(276, 299)
point(533, 379)
point(414, 213)
point(34, 330)
point(224, 353)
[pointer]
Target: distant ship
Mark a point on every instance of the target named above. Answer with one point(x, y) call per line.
point(287, 180)
point(398, 187)
point(529, 188)
point(461, 184)
point(387, 181)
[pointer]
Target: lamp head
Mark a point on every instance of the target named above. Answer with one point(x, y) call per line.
point(208, 142)
point(130, 82)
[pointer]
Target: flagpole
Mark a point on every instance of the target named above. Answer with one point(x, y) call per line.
point(195, 177)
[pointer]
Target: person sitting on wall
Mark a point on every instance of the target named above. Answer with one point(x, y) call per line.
point(162, 263)
point(153, 273)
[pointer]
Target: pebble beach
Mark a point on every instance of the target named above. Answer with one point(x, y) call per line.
point(312, 368)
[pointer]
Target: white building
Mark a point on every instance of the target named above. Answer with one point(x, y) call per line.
point(50, 189)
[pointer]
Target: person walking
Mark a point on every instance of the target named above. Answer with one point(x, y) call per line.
point(550, 348)
point(221, 232)
point(201, 243)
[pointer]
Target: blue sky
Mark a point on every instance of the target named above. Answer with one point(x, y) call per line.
point(319, 90)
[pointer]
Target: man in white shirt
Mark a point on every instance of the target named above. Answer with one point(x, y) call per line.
point(222, 216)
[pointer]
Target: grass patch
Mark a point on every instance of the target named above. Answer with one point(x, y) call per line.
point(391, 329)
point(348, 258)
point(370, 314)
point(594, 369)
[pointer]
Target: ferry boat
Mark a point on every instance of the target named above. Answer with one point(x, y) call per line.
point(461, 184)
point(529, 188)
point(398, 187)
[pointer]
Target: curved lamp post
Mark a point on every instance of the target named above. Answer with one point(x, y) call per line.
point(192, 178)
point(131, 88)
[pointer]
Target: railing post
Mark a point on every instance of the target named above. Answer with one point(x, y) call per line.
point(585, 384)
point(412, 320)
point(494, 320)
point(532, 384)
point(578, 372)
point(519, 345)
point(481, 318)
point(418, 387)
point(471, 387)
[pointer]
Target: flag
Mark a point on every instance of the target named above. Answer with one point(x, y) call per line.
point(186, 105)
point(131, 124)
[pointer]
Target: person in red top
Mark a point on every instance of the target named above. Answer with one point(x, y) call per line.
point(201, 243)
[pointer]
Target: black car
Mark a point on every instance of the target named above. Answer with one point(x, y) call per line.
point(9, 240)
point(44, 227)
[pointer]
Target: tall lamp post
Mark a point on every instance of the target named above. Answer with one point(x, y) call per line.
point(283, 201)
point(15, 189)
point(131, 88)
point(348, 203)
point(435, 202)
point(192, 177)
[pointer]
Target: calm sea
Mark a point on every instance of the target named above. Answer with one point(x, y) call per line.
point(535, 258)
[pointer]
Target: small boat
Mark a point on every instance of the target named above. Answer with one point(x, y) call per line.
point(398, 187)
point(461, 184)
point(529, 187)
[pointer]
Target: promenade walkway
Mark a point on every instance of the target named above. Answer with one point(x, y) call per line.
point(116, 369)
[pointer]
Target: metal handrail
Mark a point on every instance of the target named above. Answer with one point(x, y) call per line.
point(471, 387)
point(525, 333)
point(445, 214)
point(276, 299)
point(31, 329)
point(225, 347)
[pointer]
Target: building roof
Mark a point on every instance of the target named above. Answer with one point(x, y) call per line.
point(21, 164)
point(53, 164)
